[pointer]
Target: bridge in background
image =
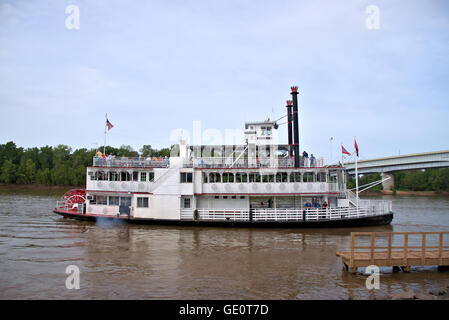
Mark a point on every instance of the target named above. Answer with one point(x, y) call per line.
point(385, 166)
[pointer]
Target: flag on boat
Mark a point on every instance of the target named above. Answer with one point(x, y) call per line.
point(356, 147)
point(109, 125)
point(344, 151)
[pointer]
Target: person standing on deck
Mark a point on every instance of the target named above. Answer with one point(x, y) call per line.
point(312, 160)
point(308, 205)
point(305, 156)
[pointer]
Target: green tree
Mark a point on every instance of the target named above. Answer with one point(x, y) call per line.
point(45, 157)
point(8, 173)
point(43, 176)
point(147, 151)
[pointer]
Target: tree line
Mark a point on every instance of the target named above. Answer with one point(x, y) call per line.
point(436, 179)
point(58, 165)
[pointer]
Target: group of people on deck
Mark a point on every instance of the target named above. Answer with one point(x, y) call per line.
point(305, 158)
point(316, 205)
point(99, 156)
point(154, 158)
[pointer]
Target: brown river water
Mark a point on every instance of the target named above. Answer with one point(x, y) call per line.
point(123, 261)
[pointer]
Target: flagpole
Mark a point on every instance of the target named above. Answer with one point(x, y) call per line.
point(356, 181)
point(343, 165)
point(105, 130)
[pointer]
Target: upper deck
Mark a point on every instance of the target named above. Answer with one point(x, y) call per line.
point(206, 162)
point(131, 162)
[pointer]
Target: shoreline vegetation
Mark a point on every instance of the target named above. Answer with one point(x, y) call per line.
point(58, 168)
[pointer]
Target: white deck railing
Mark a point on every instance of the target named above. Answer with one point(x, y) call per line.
point(219, 162)
point(125, 162)
point(373, 209)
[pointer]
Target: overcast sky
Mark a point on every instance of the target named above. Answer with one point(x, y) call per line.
point(155, 66)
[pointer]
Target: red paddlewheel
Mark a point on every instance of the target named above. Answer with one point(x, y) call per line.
point(74, 196)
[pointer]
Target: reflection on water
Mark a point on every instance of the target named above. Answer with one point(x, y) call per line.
point(121, 261)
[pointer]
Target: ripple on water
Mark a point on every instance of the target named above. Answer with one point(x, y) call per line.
point(121, 261)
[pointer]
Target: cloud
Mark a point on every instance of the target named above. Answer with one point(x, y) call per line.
point(155, 66)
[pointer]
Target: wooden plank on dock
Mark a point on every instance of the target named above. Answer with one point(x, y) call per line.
point(404, 256)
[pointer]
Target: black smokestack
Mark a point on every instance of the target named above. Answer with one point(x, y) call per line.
point(294, 94)
point(290, 127)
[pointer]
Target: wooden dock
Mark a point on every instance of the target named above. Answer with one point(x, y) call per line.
point(420, 252)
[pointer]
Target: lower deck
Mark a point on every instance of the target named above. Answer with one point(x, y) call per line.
point(288, 223)
point(225, 208)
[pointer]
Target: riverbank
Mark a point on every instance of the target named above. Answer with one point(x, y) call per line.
point(37, 189)
point(441, 294)
point(404, 193)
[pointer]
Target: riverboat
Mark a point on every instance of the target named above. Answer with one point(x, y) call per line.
point(257, 183)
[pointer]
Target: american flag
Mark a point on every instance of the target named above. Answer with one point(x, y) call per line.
point(109, 125)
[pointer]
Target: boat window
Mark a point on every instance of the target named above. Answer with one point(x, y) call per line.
point(102, 200)
point(268, 178)
point(333, 176)
point(281, 177)
point(204, 177)
point(241, 177)
point(113, 176)
point(143, 176)
point(253, 177)
point(308, 177)
point(135, 176)
point(278, 177)
point(113, 201)
point(142, 202)
point(125, 176)
point(298, 177)
point(268, 132)
point(228, 177)
point(284, 177)
point(186, 203)
point(101, 176)
point(292, 177)
point(186, 177)
point(150, 176)
point(125, 201)
point(321, 177)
